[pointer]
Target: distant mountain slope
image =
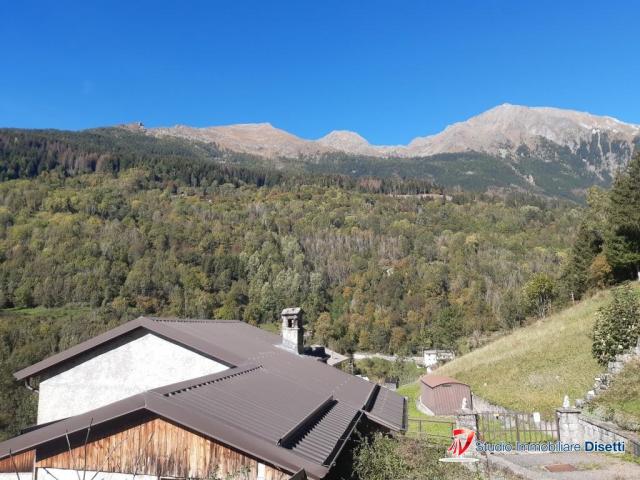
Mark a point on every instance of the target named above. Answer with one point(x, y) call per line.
point(255, 138)
point(545, 151)
point(508, 127)
point(548, 150)
point(503, 130)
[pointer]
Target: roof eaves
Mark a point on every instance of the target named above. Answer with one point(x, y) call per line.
point(372, 404)
point(71, 425)
point(159, 327)
point(80, 348)
point(385, 423)
point(162, 406)
point(234, 437)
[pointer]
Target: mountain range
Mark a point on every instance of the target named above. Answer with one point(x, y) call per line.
point(597, 145)
point(546, 150)
point(539, 150)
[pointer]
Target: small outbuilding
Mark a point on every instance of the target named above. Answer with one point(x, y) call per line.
point(443, 395)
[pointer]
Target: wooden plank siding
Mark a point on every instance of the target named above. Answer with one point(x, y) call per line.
point(155, 447)
point(23, 462)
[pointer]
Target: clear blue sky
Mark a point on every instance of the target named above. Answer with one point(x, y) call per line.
point(390, 70)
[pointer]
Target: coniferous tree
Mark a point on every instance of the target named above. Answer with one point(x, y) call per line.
point(587, 246)
point(578, 274)
point(622, 246)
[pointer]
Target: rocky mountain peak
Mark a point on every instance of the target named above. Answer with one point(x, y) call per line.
point(507, 127)
point(343, 137)
point(599, 144)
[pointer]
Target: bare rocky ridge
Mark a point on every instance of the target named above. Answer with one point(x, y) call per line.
point(506, 127)
point(351, 142)
point(602, 143)
point(256, 138)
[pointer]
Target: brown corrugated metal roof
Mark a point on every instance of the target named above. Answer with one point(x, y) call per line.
point(389, 409)
point(288, 409)
point(212, 406)
point(435, 380)
point(232, 343)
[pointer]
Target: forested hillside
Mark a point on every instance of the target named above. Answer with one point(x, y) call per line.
point(373, 271)
point(95, 231)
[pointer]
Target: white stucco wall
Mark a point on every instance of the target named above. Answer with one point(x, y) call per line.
point(143, 363)
point(64, 474)
point(12, 476)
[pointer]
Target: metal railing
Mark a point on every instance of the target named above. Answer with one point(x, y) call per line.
point(437, 430)
point(515, 427)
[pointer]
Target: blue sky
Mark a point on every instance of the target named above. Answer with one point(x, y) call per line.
point(390, 70)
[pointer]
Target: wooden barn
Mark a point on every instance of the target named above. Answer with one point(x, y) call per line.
point(241, 403)
point(443, 395)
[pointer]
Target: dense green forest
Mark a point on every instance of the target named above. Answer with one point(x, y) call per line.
point(372, 271)
point(96, 230)
point(607, 245)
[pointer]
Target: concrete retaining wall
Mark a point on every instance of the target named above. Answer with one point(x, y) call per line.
point(576, 428)
point(482, 405)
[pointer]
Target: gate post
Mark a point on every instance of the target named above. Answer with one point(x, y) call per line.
point(467, 418)
point(569, 428)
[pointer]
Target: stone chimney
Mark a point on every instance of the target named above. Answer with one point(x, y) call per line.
point(292, 329)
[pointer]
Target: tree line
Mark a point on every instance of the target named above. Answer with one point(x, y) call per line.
point(607, 246)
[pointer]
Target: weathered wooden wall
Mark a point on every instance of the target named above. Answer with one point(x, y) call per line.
point(22, 462)
point(157, 447)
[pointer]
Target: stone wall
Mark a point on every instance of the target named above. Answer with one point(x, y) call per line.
point(603, 381)
point(573, 427)
point(482, 405)
point(599, 432)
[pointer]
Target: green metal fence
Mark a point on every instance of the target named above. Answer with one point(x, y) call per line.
point(437, 429)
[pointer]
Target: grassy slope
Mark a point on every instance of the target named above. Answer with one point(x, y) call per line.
point(432, 426)
point(621, 402)
point(533, 368)
point(412, 391)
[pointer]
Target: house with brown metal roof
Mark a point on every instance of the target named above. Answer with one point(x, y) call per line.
point(182, 398)
point(440, 395)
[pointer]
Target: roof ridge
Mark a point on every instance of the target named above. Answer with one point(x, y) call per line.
point(191, 320)
point(197, 382)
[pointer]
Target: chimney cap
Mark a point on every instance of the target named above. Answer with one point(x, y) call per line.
point(291, 311)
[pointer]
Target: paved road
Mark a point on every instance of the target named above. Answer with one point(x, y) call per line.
point(588, 466)
point(389, 358)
